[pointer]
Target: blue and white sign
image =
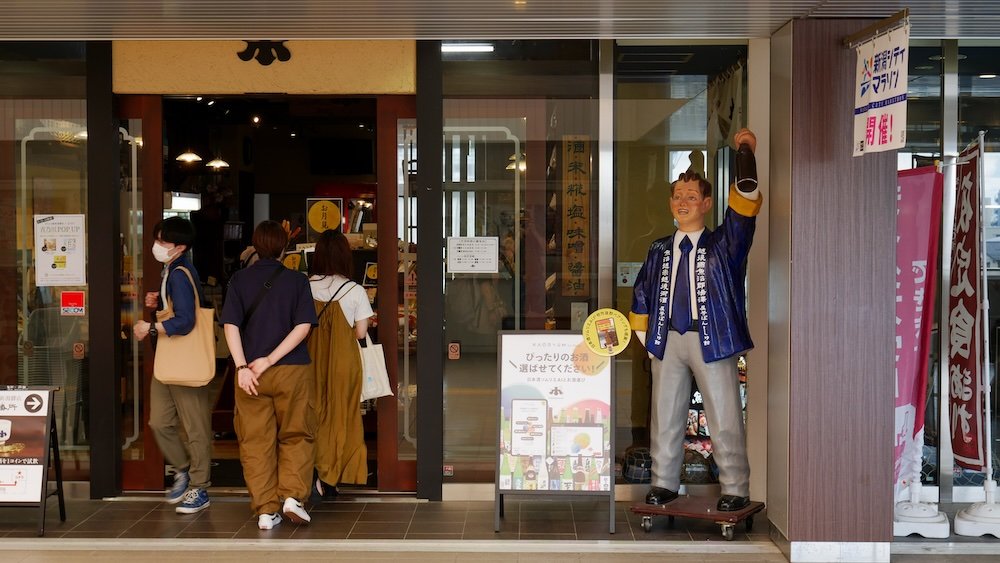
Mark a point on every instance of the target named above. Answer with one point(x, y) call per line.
point(880, 92)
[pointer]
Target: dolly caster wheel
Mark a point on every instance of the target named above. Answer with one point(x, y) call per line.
point(647, 523)
point(727, 531)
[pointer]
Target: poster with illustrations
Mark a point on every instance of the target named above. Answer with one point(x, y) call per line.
point(60, 250)
point(555, 414)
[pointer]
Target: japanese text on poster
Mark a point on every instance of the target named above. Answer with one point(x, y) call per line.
point(576, 215)
point(323, 214)
point(918, 202)
point(555, 414)
point(966, 406)
point(60, 250)
point(473, 255)
point(24, 436)
point(880, 92)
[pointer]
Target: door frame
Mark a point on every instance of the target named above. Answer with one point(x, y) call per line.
point(146, 473)
point(396, 475)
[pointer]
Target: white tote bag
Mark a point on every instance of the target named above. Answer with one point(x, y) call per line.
point(374, 375)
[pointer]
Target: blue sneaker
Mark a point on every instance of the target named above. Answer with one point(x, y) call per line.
point(195, 500)
point(176, 492)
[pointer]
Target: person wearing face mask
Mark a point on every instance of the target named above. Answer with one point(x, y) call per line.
point(176, 406)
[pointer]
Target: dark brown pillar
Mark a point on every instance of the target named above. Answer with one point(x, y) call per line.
point(832, 248)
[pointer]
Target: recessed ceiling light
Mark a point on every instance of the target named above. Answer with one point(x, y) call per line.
point(292, 134)
point(198, 99)
point(255, 119)
point(211, 102)
point(466, 47)
point(987, 76)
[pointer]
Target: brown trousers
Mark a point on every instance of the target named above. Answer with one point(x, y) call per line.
point(275, 431)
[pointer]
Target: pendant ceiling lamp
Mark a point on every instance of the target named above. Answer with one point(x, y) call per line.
point(188, 157)
point(217, 164)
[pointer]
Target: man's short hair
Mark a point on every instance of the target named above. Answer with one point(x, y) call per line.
point(270, 239)
point(175, 230)
point(703, 184)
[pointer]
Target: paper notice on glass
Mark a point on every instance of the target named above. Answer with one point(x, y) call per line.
point(473, 255)
point(60, 250)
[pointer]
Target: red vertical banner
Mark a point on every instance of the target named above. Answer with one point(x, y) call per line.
point(918, 212)
point(965, 324)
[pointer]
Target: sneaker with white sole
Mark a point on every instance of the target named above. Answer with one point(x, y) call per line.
point(268, 521)
point(176, 492)
point(295, 512)
point(195, 500)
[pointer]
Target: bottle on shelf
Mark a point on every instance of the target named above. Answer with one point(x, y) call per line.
point(505, 480)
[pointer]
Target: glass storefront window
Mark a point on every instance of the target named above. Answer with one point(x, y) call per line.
point(979, 110)
point(676, 109)
point(43, 175)
point(923, 148)
point(509, 118)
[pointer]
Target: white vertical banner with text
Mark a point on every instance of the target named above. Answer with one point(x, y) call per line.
point(880, 92)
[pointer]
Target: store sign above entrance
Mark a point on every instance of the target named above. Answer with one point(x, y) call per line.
point(880, 92)
point(265, 52)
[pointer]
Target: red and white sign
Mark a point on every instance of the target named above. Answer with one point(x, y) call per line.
point(965, 378)
point(918, 206)
point(72, 304)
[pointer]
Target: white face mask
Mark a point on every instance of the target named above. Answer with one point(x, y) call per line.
point(162, 253)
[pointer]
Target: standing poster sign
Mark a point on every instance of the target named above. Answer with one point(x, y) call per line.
point(966, 389)
point(918, 204)
point(26, 428)
point(880, 92)
point(60, 250)
point(555, 417)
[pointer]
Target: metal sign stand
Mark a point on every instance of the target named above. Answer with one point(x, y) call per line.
point(551, 494)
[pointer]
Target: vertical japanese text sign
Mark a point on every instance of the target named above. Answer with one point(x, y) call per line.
point(880, 92)
point(965, 395)
point(576, 215)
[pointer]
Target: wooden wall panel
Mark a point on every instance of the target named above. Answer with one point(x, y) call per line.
point(841, 306)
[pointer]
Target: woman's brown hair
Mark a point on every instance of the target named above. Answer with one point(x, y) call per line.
point(269, 239)
point(332, 256)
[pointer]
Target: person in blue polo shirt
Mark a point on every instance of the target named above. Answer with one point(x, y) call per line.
point(267, 316)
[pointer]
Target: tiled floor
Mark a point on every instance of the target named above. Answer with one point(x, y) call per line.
point(366, 519)
point(356, 529)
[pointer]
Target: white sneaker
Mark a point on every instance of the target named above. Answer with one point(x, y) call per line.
point(268, 521)
point(295, 512)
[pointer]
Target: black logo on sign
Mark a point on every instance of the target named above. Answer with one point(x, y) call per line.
point(265, 52)
point(33, 403)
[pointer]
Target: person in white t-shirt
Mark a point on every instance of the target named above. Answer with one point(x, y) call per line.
point(343, 310)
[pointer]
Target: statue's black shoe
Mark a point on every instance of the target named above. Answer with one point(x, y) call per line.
point(731, 503)
point(659, 495)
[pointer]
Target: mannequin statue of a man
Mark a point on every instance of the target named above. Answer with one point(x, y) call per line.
point(688, 309)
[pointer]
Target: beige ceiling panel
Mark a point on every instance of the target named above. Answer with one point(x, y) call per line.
point(315, 67)
point(463, 19)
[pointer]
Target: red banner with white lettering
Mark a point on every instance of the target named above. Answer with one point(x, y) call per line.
point(918, 212)
point(966, 395)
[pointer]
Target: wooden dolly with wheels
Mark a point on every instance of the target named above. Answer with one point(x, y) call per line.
point(701, 508)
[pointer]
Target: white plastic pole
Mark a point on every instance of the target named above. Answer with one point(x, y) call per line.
point(985, 352)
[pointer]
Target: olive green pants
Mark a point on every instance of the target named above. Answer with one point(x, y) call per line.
point(275, 430)
point(173, 407)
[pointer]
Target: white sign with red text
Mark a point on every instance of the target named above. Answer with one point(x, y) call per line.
point(880, 92)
